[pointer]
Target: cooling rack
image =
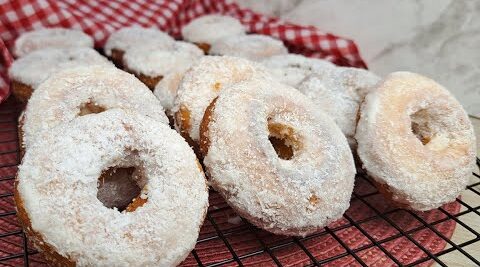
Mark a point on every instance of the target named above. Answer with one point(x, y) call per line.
point(371, 232)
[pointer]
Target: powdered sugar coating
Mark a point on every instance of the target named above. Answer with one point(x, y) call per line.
point(404, 108)
point(49, 38)
point(288, 197)
point(291, 69)
point(204, 80)
point(252, 46)
point(37, 66)
point(166, 89)
point(339, 92)
point(128, 37)
point(154, 59)
point(58, 178)
point(58, 100)
point(210, 28)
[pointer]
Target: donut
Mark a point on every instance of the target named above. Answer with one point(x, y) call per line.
point(151, 62)
point(339, 92)
point(252, 46)
point(56, 193)
point(80, 91)
point(202, 83)
point(415, 141)
point(276, 159)
point(291, 69)
point(125, 38)
point(206, 30)
point(27, 72)
point(49, 38)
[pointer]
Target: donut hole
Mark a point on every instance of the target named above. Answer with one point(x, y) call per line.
point(423, 125)
point(434, 126)
point(118, 188)
point(283, 140)
point(90, 108)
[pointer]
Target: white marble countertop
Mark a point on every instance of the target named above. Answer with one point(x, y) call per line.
point(436, 38)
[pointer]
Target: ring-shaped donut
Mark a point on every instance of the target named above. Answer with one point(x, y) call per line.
point(56, 193)
point(26, 73)
point(80, 91)
point(252, 46)
point(50, 38)
point(338, 92)
point(205, 30)
point(126, 38)
point(277, 160)
point(416, 141)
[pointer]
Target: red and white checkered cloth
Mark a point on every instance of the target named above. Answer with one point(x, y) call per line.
point(100, 18)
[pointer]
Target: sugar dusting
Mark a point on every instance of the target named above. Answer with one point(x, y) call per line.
point(338, 92)
point(128, 37)
point(291, 69)
point(290, 197)
point(253, 46)
point(50, 38)
point(166, 89)
point(156, 59)
point(37, 66)
point(59, 98)
point(210, 28)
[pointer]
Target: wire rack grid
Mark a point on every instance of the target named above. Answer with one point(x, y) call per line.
point(370, 233)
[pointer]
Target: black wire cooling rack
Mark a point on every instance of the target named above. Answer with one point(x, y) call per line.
point(370, 233)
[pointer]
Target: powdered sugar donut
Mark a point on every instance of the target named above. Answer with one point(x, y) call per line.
point(291, 69)
point(125, 38)
point(151, 62)
point(416, 141)
point(57, 186)
point(49, 38)
point(79, 91)
point(28, 72)
point(252, 46)
point(339, 92)
point(202, 83)
point(206, 30)
point(293, 185)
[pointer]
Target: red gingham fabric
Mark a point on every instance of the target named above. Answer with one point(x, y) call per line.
point(100, 18)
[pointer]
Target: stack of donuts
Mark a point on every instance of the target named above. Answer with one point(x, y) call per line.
point(118, 157)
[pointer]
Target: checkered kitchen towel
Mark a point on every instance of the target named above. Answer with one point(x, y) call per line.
point(100, 18)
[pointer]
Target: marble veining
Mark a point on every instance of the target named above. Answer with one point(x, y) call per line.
point(438, 38)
